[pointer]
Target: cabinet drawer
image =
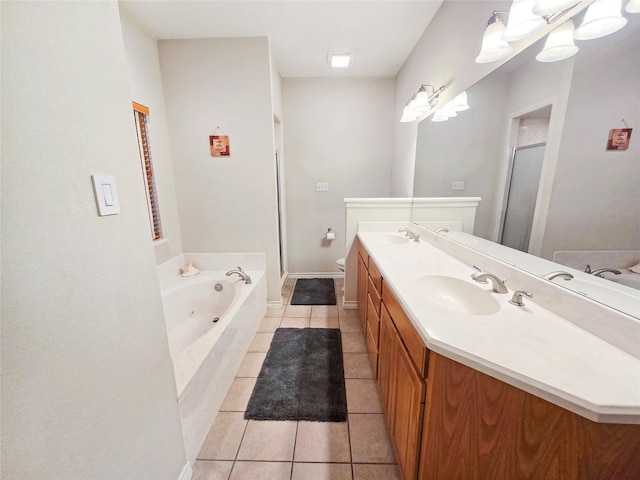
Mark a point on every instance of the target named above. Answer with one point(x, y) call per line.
point(376, 276)
point(375, 297)
point(372, 348)
point(410, 337)
point(373, 322)
point(363, 254)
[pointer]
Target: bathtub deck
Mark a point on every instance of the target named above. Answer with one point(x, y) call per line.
point(359, 449)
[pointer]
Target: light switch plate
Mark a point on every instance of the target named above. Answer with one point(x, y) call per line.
point(104, 189)
point(322, 187)
point(457, 185)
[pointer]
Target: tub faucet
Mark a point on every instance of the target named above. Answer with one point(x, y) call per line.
point(552, 275)
point(240, 272)
point(599, 272)
point(497, 285)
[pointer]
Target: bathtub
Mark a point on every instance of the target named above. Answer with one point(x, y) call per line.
point(211, 320)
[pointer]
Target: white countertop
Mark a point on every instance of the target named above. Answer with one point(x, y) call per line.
point(528, 347)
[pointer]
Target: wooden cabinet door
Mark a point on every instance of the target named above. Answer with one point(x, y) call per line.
point(363, 283)
point(385, 359)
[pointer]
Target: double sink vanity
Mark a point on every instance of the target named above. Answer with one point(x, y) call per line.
point(533, 382)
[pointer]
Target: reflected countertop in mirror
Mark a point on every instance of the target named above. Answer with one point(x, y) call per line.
point(583, 197)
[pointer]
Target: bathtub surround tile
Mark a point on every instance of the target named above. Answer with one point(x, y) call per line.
point(322, 442)
point(324, 311)
point(211, 470)
point(238, 395)
point(321, 471)
point(261, 471)
point(370, 439)
point(324, 322)
point(357, 365)
point(362, 395)
point(251, 365)
point(269, 324)
point(350, 325)
point(261, 342)
point(353, 343)
point(224, 438)
point(298, 311)
point(375, 472)
point(268, 441)
point(294, 322)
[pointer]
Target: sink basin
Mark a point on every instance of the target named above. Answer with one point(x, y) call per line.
point(457, 295)
point(392, 239)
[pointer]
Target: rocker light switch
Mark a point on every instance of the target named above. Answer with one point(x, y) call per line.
point(104, 188)
point(322, 187)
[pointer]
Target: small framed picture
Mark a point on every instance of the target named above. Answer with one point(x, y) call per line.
point(219, 145)
point(619, 139)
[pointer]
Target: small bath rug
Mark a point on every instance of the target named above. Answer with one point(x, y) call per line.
point(302, 378)
point(314, 291)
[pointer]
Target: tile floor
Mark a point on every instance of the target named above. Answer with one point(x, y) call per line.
point(359, 449)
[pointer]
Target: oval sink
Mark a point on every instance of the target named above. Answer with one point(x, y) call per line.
point(457, 295)
point(392, 239)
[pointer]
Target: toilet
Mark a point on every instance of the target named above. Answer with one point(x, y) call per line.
point(340, 263)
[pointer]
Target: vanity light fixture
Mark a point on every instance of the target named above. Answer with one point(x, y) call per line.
point(451, 108)
point(549, 7)
point(602, 18)
point(559, 44)
point(340, 60)
point(494, 47)
point(459, 103)
point(633, 6)
point(421, 102)
point(522, 21)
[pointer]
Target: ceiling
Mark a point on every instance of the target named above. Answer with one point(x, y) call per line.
point(380, 33)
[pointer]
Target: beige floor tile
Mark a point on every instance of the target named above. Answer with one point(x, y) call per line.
point(375, 472)
point(251, 364)
point(321, 471)
point(269, 324)
point(362, 395)
point(211, 470)
point(261, 342)
point(261, 471)
point(339, 280)
point(274, 312)
point(298, 311)
point(324, 322)
point(270, 441)
point(324, 311)
point(370, 439)
point(238, 395)
point(294, 322)
point(348, 312)
point(224, 438)
point(357, 365)
point(350, 325)
point(322, 442)
point(353, 343)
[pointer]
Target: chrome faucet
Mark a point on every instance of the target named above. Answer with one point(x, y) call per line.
point(517, 297)
point(442, 230)
point(599, 272)
point(240, 271)
point(558, 273)
point(413, 236)
point(405, 231)
point(497, 285)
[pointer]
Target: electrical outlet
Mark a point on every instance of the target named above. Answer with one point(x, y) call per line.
point(457, 185)
point(322, 187)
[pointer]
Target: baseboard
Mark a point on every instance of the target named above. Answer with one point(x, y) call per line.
point(275, 303)
point(350, 305)
point(317, 275)
point(186, 473)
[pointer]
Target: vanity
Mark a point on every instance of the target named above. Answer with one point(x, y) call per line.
point(474, 387)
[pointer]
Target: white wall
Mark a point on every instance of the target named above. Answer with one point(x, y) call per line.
point(226, 204)
point(595, 192)
point(141, 53)
point(336, 131)
point(87, 381)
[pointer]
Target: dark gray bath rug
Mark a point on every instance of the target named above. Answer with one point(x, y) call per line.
point(302, 378)
point(314, 291)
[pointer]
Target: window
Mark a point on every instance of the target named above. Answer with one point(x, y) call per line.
point(140, 113)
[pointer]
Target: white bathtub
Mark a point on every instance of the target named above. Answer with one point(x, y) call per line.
point(206, 354)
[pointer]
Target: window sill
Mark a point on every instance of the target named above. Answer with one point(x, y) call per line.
point(162, 241)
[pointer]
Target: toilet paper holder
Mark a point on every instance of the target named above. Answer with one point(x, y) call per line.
point(330, 235)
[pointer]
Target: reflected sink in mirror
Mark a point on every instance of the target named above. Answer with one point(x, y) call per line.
point(391, 239)
point(457, 295)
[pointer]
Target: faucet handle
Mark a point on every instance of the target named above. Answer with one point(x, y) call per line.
point(517, 297)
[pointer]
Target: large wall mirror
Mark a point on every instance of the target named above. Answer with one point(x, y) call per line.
point(533, 146)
